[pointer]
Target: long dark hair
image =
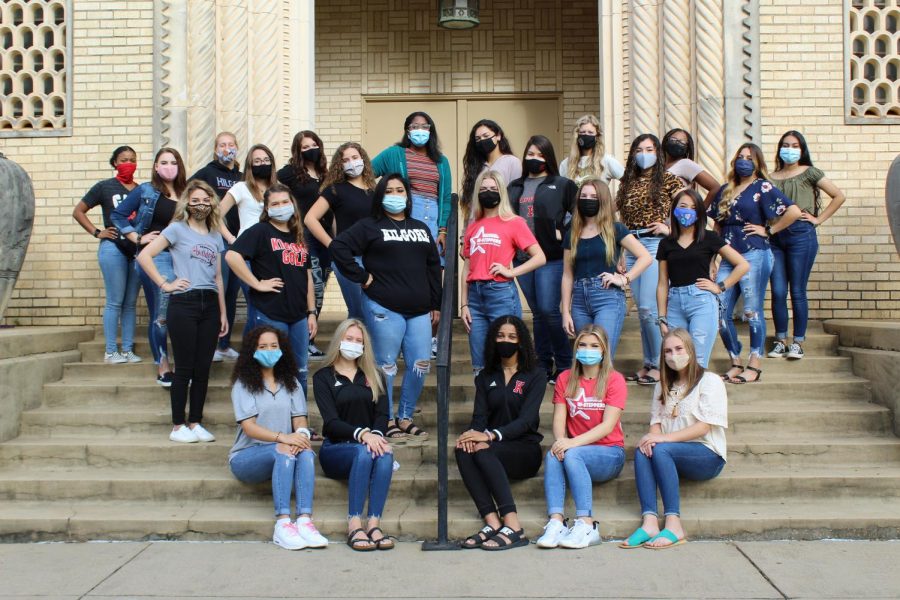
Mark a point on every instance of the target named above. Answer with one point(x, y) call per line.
point(689, 146)
point(295, 223)
point(633, 171)
point(299, 163)
point(433, 146)
point(253, 183)
point(180, 181)
point(249, 372)
point(760, 171)
point(805, 159)
point(117, 152)
point(473, 162)
point(527, 359)
point(378, 196)
point(543, 144)
point(699, 207)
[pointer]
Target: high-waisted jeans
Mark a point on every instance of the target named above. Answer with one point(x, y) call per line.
point(752, 287)
point(697, 311)
point(122, 283)
point(351, 291)
point(367, 476)
point(794, 254)
point(543, 290)
point(288, 473)
point(592, 303)
point(671, 460)
point(489, 300)
point(643, 290)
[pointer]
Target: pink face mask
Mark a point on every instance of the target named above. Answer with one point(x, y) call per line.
point(167, 172)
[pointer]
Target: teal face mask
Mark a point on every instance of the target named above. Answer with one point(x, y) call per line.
point(419, 137)
point(267, 358)
point(789, 155)
point(588, 356)
point(394, 204)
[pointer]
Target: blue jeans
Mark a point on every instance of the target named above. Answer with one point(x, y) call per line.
point(298, 334)
point(122, 283)
point(157, 305)
point(543, 291)
point(231, 284)
point(581, 467)
point(592, 303)
point(752, 287)
point(793, 253)
point(697, 311)
point(392, 332)
point(352, 292)
point(427, 210)
point(320, 265)
point(365, 475)
point(671, 460)
point(251, 310)
point(643, 290)
point(298, 473)
point(489, 300)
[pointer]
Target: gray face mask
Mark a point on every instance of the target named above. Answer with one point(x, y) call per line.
point(354, 168)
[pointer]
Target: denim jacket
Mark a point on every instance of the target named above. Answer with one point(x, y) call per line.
point(141, 199)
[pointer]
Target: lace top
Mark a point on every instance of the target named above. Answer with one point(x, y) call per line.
point(707, 402)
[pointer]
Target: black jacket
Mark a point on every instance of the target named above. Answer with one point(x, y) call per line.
point(511, 410)
point(554, 198)
point(346, 406)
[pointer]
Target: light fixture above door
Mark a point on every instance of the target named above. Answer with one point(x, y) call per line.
point(458, 14)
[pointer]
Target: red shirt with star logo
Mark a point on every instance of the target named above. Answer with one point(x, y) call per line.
point(492, 240)
point(585, 410)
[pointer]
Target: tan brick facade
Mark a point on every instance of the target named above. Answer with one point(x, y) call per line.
point(395, 47)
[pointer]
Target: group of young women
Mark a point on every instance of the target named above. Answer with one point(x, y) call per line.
point(555, 232)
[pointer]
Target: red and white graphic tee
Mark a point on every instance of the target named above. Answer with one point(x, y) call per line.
point(492, 240)
point(585, 410)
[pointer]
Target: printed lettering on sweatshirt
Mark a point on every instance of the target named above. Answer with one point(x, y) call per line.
point(291, 253)
point(405, 235)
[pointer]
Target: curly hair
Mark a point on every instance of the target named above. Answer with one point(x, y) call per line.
point(527, 359)
point(249, 372)
point(336, 172)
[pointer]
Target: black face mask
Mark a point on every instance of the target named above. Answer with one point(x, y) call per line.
point(586, 141)
point(485, 147)
point(506, 349)
point(588, 207)
point(263, 172)
point(676, 149)
point(489, 199)
point(534, 165)
point(311, 155)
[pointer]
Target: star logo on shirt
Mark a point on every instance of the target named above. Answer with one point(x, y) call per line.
point(575, 405)
point(481, 239)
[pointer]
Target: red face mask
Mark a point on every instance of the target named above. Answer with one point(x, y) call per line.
point(125, 172)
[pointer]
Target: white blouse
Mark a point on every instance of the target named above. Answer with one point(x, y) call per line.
point(707, 403)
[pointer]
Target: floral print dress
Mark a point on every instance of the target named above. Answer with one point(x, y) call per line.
point(758, 204)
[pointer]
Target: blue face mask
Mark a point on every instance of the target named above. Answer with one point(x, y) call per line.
point(281, 213)
point(645, 160)
point(686, 216)
point(744, 167)
point(789, 155)
point(588, 356)
point(419, 137)
point(394, 204)
point(267, 358)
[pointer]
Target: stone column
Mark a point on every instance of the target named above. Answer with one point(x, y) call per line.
point(265, 68)
point(645, 79)
point(676, 61)
point(611, 110)
point(301, 37)
point(171, 77)
point(710, 67)
point(232, 82)
point(201, 59)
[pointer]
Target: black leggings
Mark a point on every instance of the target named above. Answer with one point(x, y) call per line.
point(487, 472)
point(193, 320)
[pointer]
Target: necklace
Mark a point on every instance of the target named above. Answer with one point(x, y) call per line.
point(675, 393)
point(397, 227)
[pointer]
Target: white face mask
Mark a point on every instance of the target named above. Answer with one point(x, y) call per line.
point(678, 361)
point(351, 350)
point(354, 168)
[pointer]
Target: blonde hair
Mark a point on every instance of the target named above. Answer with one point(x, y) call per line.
point(505, 208)
point(759, 168)
point(668, 376)
point(577, 371)
point(213, 219)
point(605, 220)
point(365, 363)
point(595, 168)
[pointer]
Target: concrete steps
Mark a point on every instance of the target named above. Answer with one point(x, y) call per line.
point(810, 456)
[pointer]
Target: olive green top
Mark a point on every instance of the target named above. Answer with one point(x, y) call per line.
point(801, 188)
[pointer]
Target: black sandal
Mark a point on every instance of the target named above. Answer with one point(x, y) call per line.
point(354, 543)
point(412, 431)
point(647, 380)
point(728, 378)
point(507, 539)
point(477, 539)
point(742, 380)
point(384, 543)
point(394, 433)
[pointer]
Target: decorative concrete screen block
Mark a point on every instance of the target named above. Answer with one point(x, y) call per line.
point(35, 95)
point(872, 60)
point(16, 219)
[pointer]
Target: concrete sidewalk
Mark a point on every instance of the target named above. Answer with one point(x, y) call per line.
point(827, 569)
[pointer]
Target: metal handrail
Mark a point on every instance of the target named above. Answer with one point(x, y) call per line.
point(444, 347)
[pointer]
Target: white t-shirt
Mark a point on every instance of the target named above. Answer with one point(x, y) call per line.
point(249, 210)
point(612, 168)
point(707, 402)
point(507, 165)
point(686, 170)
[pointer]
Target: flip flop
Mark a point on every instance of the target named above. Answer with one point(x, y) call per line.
point(665, 533)
point(636, 539)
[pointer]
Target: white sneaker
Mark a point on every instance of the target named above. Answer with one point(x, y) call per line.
point(581, 535)
point(183, 434)
point(553, 532)
point(114, 358)
point(202, 434)
point(287, 536)
point(218, 355)
point(311, 535)
point(132, 357)
point(230, 353)
point(315, 353)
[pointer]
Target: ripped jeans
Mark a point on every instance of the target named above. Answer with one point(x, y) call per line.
point(643, 291)
point(157, 304)
point(392, 332)
point(263, 462)
point(752, 288)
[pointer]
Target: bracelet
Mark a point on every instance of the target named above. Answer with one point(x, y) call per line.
point(277, 435)
point(303, 431)
point(662, 320)
point(311, 313)
point(627, 278)
point(463, 305)
point(96, 232)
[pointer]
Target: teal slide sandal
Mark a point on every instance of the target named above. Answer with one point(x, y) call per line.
point(636, 539)
point(666, 533)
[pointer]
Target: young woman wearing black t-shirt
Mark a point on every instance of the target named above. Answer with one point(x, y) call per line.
point(279, 277)
point(686, 295)
point(115, 255)
point(503, 441)
point(346, 192)
point(349, 392)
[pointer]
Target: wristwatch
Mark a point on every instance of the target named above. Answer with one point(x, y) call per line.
point(96, 232)
point(768, 230)
point(722, 286)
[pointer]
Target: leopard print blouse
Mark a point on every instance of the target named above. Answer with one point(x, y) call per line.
point(638, 210)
